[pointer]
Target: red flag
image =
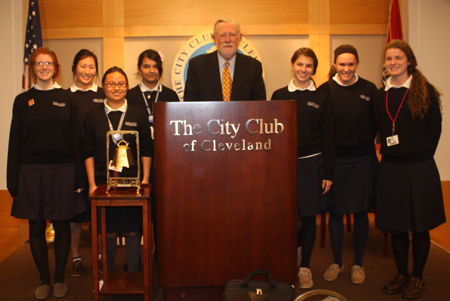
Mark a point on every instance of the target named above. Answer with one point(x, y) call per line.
point(395, 23)
point(394, 31)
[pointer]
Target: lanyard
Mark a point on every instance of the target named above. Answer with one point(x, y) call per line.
point(119, 127)
point(149, 110)
point(398, 111)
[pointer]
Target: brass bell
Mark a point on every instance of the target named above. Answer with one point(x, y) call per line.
point(123, 156)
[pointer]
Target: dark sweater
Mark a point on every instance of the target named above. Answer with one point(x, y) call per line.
point(315, 126)
point(83, 102)
point(135, 97)
point(41, 132)
point(93, 138)
point(353, 116)
point(418, 138)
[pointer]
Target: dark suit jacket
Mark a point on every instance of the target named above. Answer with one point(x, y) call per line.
point(203, 79)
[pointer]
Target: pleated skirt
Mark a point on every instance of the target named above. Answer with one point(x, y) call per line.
point(310, 199)
point(47, 191)
point(409, 197)
point(354, 184)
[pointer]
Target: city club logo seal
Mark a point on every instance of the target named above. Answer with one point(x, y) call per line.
point(202, 43)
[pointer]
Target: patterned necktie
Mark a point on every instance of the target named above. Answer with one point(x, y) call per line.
point(226, 83)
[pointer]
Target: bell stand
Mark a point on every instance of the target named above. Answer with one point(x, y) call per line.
point(114, 182)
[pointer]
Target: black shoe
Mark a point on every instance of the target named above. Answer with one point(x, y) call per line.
point(414, 288)
point(396, 285)
point(77, 268)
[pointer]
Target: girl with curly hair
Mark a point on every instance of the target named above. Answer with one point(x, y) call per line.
point(409, 198)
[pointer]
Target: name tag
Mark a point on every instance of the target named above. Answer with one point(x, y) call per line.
point(132, 124)
point(392, 140)
point(59, 104)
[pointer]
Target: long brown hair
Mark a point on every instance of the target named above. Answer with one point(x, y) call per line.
point(419, 95)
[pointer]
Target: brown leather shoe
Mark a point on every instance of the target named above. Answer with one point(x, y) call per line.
point(396, 285)
point(414, 288)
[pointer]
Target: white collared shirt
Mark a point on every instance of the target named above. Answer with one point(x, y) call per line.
point(406, 84)
point(222, 62)
point(293, 88)
point(55, 86)
point(75, 88)
point(336, 79)
point(144, 88)
point(122, 109)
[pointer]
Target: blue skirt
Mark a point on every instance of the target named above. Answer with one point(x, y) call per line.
point(310, 199)
point(354, 184)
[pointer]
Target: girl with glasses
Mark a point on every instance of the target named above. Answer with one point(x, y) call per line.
point(117, 114)
point(41, 167)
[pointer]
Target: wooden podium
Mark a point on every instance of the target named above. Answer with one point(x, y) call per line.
point(226, 194)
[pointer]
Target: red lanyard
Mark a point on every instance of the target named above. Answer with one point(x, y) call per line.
point(398, 111)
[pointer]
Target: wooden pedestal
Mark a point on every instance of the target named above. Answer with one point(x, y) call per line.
point(122, 283)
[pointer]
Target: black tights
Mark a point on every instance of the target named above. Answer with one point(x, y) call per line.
point(420, 248)
point(307, 238)
point(360, 234)
point(39, 249)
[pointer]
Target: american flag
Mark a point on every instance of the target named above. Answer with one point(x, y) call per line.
point(33, 37)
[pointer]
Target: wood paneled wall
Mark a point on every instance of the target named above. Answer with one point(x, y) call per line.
point(114, 20)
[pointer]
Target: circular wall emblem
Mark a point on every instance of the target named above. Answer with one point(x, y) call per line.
point(202, 43)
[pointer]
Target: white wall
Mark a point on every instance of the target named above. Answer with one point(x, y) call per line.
point(429, 21)
point(11, 58)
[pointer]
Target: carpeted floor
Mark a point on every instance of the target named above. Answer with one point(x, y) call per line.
point(19, 276)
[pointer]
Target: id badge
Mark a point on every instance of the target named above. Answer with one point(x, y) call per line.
point(392, 140)
point(113, 168)
point(150, 119)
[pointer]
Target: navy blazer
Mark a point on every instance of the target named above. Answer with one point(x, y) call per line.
point(204, 83)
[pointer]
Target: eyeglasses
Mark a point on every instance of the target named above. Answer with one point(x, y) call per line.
point(40, 64)
point(112, 85)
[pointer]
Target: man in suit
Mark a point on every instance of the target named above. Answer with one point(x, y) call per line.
point(208, 76)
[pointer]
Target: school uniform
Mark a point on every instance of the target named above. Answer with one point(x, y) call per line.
point(83, 102)
point(93, 143)
point(137, 97)
point(41, 164)
point(316, 150)
point(409, 190)
point(353, 189)
point(144, 98)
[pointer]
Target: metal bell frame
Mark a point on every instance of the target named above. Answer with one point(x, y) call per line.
point(114, 182)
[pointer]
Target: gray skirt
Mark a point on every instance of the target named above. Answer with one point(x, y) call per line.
point(409, 197)
point(354, 184)
point(47, 191)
